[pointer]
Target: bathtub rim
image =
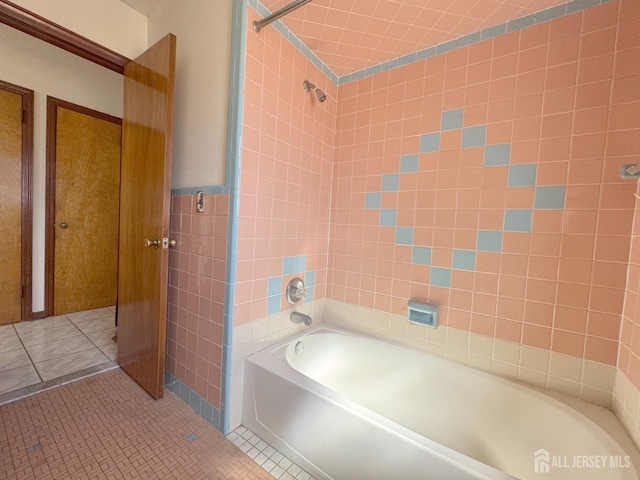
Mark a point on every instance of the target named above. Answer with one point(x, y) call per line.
point(565, 403)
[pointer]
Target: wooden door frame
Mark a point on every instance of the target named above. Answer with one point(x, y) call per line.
point(32, 24)
point(50, 188)
point(27, 196)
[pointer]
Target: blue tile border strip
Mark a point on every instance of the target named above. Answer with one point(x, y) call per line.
point(464, 41)
point(198, 404)
point(232, 173)
point(209, 190)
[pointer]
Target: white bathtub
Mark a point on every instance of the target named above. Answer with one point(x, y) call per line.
point(352, 407)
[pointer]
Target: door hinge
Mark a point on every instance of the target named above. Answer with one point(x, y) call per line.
point(24, 116)
point(24, 291)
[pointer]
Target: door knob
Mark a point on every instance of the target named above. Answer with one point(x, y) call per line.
point(152, 243)
point(165, 243)
point(64, 225)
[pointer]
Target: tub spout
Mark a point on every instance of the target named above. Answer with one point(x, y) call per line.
point(297, 317)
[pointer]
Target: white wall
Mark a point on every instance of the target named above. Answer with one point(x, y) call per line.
point(33, 64)
point(110, 23)
point(203, 31)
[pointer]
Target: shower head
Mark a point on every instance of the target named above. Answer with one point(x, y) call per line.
point(308, 86)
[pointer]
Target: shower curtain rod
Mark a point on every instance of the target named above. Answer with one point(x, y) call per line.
point(258, 24)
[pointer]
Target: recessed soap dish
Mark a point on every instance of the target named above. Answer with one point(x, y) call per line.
point(423, 314)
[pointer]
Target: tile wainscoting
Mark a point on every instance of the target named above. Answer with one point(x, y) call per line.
point(585, 379)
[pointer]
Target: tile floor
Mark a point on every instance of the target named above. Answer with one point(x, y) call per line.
point(41, 350)
point(106, 427)
point(263, 454)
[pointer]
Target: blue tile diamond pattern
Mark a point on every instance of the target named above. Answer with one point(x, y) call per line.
point(387, 218)
point(452, 120)
point(474, 136)
point(499, 155)
point(391, 183)
point(522, 176)
point(430, 142)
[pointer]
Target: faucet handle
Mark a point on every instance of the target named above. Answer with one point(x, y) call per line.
point(295, 291)
point(300, 293)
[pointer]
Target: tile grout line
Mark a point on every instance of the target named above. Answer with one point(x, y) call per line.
point(24, 347)
point(33, 364)
point(267, 457)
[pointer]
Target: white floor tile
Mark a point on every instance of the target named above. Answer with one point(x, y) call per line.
point(58, 348)
point(18, 378)
point(74, 362)
point(102, 337)
point(111, 351)
point(9, 338)
point(77, 317)
point(11, 359)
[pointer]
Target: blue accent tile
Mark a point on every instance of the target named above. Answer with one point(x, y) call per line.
point(406, 59)
point(517, 220)
point(309, 297)
point(426, 53)
point(206, 411)
point(489, 241)
point(372, 201)
point(447, 46)
point(288, 265)
point(301, 263)
point(550, 198)
point(274, 286)
point(473, 136)
point(429, 142)
point(409, 163)
point(452, 119)
point(273, 305)
point(469, 39)
point(421, 256)
point(464, 259)
point(551, 13)
point(194, 401)
point(388, 218)
point(522, 175)
point(391, 182)
point(404, 235)
point(493, 32)
point(440, 277)
point(520, 23)
point(310, 279)
point(191, 437)
point(497, 155)
point(578, 5)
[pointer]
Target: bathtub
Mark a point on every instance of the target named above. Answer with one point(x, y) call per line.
point(344, 406)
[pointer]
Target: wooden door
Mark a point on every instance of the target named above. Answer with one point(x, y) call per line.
point(83, 200)
point(144, 214)
point(16, 133)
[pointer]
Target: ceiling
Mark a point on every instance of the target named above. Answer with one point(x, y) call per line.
point(351, 35)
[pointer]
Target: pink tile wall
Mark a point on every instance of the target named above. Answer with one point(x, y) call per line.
point(564, 96)
point(625, 121)
point(197, 269)
point(287, 153)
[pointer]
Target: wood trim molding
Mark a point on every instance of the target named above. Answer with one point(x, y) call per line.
point(39, 27)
